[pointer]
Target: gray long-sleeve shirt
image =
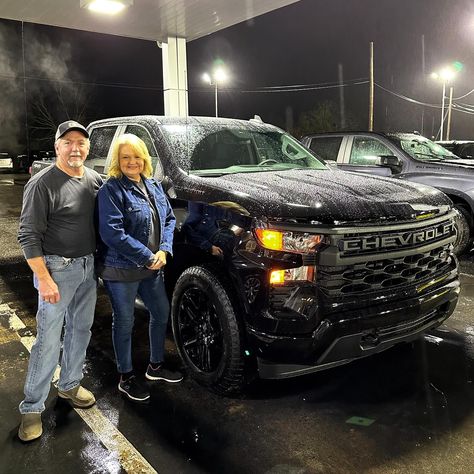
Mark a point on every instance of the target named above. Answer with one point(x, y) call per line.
point(57, 217)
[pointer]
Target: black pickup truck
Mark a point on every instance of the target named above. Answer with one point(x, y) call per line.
point(407, 157)
point(326, 266)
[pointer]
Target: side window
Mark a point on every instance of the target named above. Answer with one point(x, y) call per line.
point(141, 132)
point(326, 147)
point(365, 151)
point(467, 151)
point(100, 139)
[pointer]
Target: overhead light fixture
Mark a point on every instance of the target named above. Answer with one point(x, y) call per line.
point(109, 7)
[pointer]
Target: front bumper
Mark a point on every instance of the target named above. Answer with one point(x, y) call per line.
point(345, 336)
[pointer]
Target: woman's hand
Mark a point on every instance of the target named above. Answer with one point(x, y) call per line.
point(216, 251)
point(159, 261)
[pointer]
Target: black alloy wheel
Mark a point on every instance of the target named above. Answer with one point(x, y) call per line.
point(206, 330)
point(463, 223)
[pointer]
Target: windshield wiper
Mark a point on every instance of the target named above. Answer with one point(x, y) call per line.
point(430, 157)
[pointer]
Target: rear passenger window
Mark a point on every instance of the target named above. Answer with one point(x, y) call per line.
point(365, 151)
point(326, 147)
point(467, 151)
point(101, 139)
point(142, 133)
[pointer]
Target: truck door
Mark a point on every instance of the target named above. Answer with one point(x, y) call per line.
point(364, 154)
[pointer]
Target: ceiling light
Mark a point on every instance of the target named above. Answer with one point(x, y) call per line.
point(109, 7)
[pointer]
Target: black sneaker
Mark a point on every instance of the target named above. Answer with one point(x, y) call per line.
point(162, 373)
point(134, 389)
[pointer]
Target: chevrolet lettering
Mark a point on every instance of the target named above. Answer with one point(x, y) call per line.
point(375, 242)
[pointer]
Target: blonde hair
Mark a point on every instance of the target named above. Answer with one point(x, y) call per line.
point(139, 148)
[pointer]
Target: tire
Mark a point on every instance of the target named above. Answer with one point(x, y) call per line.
point(15, 166)
point(207, 332)
point(463, 222)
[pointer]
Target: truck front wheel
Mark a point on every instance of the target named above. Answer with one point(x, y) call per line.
point(206, 330)
point(464, 232)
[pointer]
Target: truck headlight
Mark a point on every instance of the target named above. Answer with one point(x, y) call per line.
point(288, 241)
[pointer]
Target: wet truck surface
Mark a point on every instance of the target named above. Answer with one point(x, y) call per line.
point(406, 157)
point(317, 267)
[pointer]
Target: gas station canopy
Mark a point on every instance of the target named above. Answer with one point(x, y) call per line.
point(171, 23)
point(154, 20)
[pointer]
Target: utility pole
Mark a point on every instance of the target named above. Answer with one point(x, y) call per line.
point(215, 96)
point(371, 88)
point(442, 110)
point(423, 75)
point(450, 106)
point(342, 108)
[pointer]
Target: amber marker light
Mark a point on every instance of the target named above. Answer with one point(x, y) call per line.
point(277, 277)
point(270, 239)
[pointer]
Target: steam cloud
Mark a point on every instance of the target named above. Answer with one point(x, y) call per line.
point(46, 65)
point(10, 97)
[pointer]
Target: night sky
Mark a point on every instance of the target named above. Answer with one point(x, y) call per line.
point(94, 76)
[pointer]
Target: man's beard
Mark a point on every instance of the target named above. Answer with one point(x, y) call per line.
point(75, 161)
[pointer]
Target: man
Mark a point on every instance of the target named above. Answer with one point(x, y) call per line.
point(57, 236)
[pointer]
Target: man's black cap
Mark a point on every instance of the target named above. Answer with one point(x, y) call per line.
point(68, 126)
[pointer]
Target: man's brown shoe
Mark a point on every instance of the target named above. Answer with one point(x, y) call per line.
point(30, 427)
point(79, 396)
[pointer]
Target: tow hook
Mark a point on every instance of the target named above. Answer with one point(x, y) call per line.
point(369, 340)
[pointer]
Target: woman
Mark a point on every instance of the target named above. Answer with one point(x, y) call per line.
point(136, 225)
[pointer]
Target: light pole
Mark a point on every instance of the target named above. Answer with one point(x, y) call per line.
point(445, 75)
point(450, 109)
point(218, 76)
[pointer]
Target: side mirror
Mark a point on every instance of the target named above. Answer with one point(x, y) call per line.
point(159, 172)
point(331, 164)
point(390, 161)
point(168, 187)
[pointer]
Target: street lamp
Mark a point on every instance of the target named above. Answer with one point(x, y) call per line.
point(445, 75)
point(218, 76)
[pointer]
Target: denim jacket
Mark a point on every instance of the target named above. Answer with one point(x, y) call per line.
point(125, 220)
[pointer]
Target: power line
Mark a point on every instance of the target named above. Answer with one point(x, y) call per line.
point(458, 107)
point(292, 86)
point(305, 88)
point(409, 99)
point(465, 95)
point(81, 83)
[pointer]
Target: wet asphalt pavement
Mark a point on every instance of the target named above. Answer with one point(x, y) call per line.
point(408, 409)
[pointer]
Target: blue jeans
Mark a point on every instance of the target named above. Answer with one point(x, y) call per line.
point(77, 289)
point(122, 296)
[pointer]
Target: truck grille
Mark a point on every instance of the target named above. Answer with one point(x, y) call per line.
point(385, 273)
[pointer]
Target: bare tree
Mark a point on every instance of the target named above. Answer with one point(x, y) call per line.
point(61, 102)
point(324, 117)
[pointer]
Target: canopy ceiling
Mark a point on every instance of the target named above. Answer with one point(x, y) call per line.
point(147, 19)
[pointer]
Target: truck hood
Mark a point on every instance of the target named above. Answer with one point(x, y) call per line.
point(327, 196)
point(462, 162)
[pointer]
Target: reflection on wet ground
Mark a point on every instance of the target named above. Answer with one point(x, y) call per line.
point(405, 410)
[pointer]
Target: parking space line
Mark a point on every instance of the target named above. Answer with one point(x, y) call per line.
point(108, 434)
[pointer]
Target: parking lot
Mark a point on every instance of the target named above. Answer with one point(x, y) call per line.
point(408, 409)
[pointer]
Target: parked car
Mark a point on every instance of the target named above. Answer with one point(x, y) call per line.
point(461, 148)
point(319, 266)
point(5, 161)
point(407, 157)
point(23, 162)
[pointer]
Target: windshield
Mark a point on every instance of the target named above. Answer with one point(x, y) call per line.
point(212, 150)
point(425, 150)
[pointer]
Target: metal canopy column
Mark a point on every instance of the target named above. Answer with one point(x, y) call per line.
point(175, 80)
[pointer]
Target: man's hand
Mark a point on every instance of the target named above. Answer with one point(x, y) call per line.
point(48, 290)
point(159, 261)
